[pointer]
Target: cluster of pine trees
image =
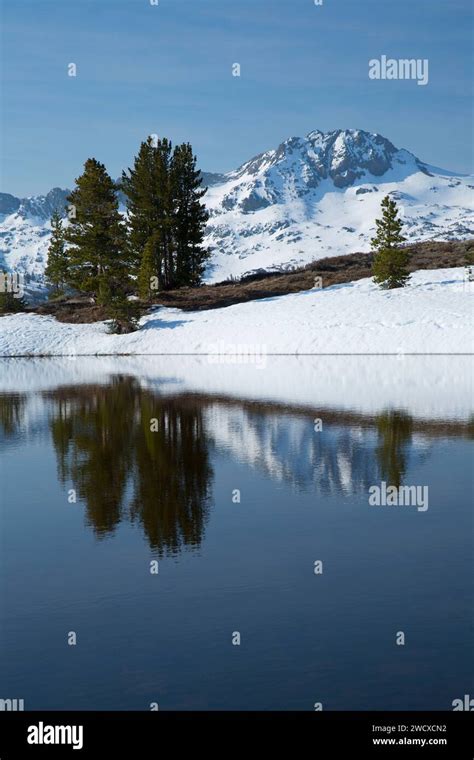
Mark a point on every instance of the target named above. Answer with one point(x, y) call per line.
point(158, 245)
point(166, 215)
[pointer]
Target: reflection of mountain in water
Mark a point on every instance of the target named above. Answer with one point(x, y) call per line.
point(337, 459)
point(132, 454)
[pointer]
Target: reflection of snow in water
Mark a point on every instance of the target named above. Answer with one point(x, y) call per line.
point(428, 387)
point(338, 459)
point(341, 458)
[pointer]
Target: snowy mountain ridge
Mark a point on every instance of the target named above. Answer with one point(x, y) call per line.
point(319, 196)
point(306, 199)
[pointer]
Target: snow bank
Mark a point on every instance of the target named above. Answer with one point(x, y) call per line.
point(432, 315)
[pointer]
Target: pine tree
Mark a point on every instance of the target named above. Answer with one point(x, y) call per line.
point(11, 305)
point(150, 275)
point(390, 260)
point(57, 269)
point(122, 312)
point(10, 302)
point(98, 250)
point(164, 195)
point(143, 204)
point(165, 227)
point(149, 203)
point(189, 216)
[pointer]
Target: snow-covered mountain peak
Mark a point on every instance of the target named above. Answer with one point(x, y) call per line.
point(42, 206)
point(305, 199)
point(343, 156)
point(319, 195)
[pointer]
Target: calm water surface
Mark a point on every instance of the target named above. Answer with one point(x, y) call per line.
point(171, 494)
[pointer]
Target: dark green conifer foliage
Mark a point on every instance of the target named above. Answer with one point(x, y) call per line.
point(10, 302)
point(57, 269)
point(122, 312)
point(164, 230)
point(164, 194)
point(390, 260)
point(190, 217)
point(146, 186)
point(150, 272)
point(144, 208)
point(96, 237)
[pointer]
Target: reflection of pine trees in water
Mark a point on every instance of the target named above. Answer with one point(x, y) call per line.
point(91, 429)
point(471, 427)
point(171, 472)
point(395, 431)
point(104, 445)
point(11, 413)
point(160, 479)
point(349, 464)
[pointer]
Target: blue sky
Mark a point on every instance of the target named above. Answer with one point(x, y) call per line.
point(167, 69)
